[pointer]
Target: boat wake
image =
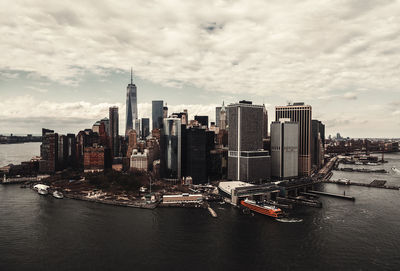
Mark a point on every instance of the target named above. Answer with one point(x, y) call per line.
point(290, 220)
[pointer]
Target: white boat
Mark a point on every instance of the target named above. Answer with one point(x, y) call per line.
point(42, 189)
point(58, 195)
point(395, 170)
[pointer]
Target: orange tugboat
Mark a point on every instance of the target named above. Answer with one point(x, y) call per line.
point(262, 208)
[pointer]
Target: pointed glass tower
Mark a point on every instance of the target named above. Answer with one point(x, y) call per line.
point(131, 107)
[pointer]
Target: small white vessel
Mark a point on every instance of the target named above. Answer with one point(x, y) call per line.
point(58, 195)
point(42, 189)
point(395, 170)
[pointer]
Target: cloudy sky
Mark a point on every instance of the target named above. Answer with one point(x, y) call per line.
point(63, 64)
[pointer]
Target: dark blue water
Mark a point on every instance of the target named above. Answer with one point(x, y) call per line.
point(43, 233)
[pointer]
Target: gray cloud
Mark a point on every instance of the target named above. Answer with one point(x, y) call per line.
point(253, 47)
point(320, 51)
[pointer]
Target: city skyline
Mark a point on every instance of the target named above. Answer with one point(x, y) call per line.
point(196, 58)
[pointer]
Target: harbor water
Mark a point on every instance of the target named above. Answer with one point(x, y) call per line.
point(44, 233)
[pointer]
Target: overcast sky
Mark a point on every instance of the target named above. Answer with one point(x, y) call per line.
point(63, 64)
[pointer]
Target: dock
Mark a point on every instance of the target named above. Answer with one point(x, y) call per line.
point(332, 195)
point(375, 184)
point(19, 180)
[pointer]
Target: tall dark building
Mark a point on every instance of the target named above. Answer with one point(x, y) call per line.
point(317, 143)
point(203, 120)
point(265, 123)
point(157, 110)
point(145, 127)
point(131, 107)
point(246, 159)
point(114, 131)
point(49, 151)
point(62, 152)
point(196, 158)
point(106, 123)
point(171, 149)
point(302, 114)
point(71, 150)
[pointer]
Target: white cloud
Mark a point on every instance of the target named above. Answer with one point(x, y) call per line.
point(350, 96)
point(23, 113)
point(291, 48)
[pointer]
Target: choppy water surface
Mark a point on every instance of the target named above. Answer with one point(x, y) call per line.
point(43, 233)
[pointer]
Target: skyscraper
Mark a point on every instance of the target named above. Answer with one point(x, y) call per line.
point(222, 117)
point(285, 148)
point(203, 120)
point(265, 123)
point(317, 143)
point(114, 131)
point(131, 107)
point(217, 115)
point(145, 131)
point(196, 154)
point(171, 149)
point(221, 112)
point(300, 113)
point(246, 159)
point(157, 110)
point(49, 151)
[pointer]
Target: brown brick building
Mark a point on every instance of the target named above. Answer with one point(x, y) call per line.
point(93, 158)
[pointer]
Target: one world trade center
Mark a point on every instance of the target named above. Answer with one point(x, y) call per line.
point(131, 108)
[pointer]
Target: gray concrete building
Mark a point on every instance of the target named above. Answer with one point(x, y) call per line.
point(302, 114)
point(247, 161)
point(284, 149)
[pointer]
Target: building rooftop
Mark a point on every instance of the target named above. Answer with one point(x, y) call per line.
point(228, 186)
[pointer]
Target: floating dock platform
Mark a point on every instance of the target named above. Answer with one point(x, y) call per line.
point(332, 195)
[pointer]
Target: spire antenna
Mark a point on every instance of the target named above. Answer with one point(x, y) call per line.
point(131, 77)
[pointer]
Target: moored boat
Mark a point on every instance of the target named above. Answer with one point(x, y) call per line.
point(262, 208)
point(41, 189)
point(58, 195)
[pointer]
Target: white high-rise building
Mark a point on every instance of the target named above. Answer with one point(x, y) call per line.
point(284, 148)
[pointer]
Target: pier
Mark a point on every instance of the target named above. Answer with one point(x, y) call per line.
point(373, 184)
point(19, 180)
point(332, 195)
